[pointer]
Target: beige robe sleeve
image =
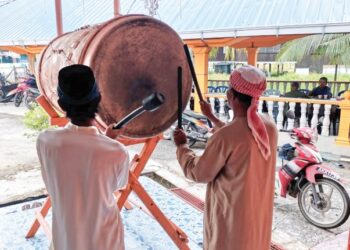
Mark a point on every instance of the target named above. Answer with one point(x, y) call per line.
point(206, 167)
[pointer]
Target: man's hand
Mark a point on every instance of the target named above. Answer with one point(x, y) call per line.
point(179, 137)
point(206, 109)
point(113, 133)
point(208, 112)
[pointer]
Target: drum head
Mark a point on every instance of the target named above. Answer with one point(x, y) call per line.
point(132, 58)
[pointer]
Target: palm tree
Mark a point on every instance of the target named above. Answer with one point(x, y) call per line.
point(228, 51)
point(336, 47)
point(213, 52)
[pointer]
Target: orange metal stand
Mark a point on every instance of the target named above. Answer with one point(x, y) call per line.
point(136, 166)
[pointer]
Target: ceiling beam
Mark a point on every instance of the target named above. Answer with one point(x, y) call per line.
point(242, 42)
point(24, 50)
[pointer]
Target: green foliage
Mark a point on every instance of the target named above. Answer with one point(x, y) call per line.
point(336, 47)
point(213, 53)
point(228, 51)
point(229, 54)
point(218, 76)
point(310, 77)
point(36, 119)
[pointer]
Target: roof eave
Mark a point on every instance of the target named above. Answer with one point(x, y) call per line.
point(268, 31)
point(24, 42)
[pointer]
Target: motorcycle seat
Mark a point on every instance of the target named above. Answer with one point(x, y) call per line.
point(194, 114)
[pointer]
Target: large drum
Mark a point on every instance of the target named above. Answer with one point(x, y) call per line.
point(132, 56)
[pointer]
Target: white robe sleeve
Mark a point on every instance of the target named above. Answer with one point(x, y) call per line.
point(122, 169)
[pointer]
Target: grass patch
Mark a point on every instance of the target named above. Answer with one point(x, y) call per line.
point(36, 119)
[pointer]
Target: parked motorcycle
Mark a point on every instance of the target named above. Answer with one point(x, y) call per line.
point(25, 90)
point(30, 97)
point(5, 88)
point(322, 199)
point(196, 126)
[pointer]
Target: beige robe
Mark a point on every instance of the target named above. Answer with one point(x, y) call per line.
point(81, 169)
point(240, 191)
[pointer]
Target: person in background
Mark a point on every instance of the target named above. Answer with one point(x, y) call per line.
point(82, 168)
point(239, 164)
point(322, 91)
point(294, 93)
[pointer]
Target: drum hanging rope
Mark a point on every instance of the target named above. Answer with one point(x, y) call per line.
point(193, 73)
point(179, 97)
point(150, 104)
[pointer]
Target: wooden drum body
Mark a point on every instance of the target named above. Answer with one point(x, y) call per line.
point(132, 56)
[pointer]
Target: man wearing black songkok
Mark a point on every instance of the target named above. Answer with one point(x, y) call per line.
point(82, 168)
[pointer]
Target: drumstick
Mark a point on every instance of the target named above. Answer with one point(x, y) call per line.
point(193, 73)
point(150, 103)
point(179, 97)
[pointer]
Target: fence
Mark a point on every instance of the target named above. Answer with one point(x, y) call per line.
point(11, 72)
point(308, 111)
point(281, 87)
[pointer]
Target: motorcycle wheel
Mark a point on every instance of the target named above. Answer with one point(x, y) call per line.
point(30, 102)
point(188, 128)
point(18, 99)
point(2, 95)
point(334, 206)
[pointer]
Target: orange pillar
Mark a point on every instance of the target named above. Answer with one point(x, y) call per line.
point(201, 57)
point(344, 123)
point(31, 63)
point(252, 55)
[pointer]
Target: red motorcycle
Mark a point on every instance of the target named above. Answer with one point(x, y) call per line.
point(26, 89)
point(322, 199)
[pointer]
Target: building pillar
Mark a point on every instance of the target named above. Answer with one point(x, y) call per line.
point(252, 55)
point(31, 63)
point(201, 57)
point(344, 123)
point(116, 8)
point(59, 24)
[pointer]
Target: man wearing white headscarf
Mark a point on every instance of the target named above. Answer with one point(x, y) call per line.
point(239, 166)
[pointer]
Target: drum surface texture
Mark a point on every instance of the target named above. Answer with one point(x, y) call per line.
point(132, 57)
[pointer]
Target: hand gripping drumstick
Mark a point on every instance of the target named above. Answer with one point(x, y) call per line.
point(150, 104)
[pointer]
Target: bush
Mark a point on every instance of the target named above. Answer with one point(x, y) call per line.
point(36, 119)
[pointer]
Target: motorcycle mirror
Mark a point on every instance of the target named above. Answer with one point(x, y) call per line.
point(290, 114)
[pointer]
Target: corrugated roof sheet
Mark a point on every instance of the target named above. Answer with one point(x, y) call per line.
point(27, 21)
point(34, 21)
point(223, 18)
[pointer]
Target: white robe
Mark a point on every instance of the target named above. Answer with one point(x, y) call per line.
point(81, 169)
